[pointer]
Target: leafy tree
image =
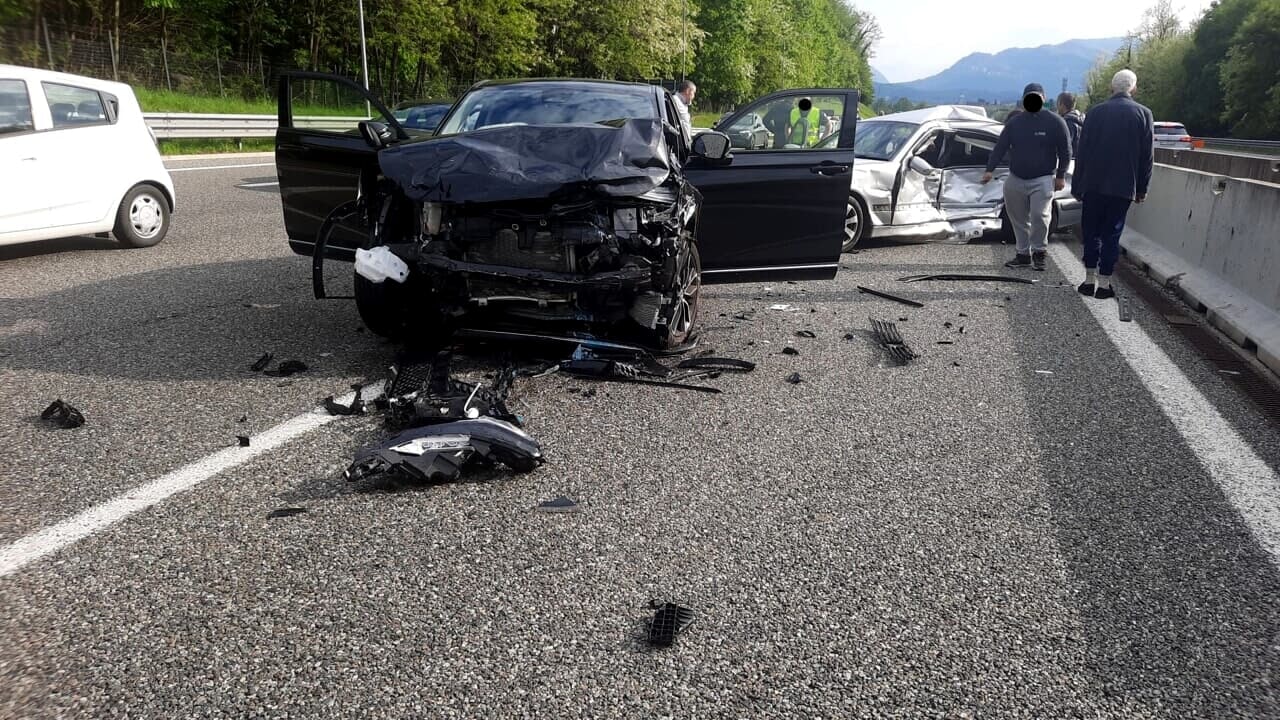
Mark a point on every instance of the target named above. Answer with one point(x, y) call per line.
point(1203, 98)
point(1251, 74)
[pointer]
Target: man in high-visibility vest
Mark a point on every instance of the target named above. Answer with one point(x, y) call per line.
point(805, 125)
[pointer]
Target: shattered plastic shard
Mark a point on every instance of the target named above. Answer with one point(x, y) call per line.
point(559, 504)
point(243, 440)
point(380, 264)
point(61, 414)
point(794, 378)
point(287, 368)
point(806, 334)
point(669, 621)
point(285, 512)
point(262, 363)
point(790, 351)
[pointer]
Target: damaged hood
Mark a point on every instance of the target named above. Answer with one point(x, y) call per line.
point(529, 162)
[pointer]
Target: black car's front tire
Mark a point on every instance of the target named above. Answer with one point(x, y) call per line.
point(400, 311)
point(681, 313)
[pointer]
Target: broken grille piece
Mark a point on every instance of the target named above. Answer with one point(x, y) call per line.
point(891, 340)
point(669, 621)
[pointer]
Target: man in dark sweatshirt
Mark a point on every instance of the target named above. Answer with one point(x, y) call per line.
point(1039, 149)
point(1073, 117)
point(1113, 170)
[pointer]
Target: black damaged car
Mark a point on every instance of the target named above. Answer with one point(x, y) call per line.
point(563, 206)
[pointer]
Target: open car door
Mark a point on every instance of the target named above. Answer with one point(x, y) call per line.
point(778, 212)
point(962, 198)
point(322, 154)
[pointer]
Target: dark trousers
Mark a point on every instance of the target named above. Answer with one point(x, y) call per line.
point(1101, 223)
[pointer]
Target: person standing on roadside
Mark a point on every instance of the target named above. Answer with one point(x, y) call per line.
point(1039, 148)
point(1073, 117)
point(685, 92)
point(1112, 171)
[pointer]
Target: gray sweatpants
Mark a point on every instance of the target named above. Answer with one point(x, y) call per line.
point(1029, 204)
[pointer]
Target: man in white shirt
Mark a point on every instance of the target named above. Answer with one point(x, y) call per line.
point(685, 91)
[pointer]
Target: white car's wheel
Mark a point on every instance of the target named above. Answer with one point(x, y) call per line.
point(855, 223)
point(143, 217)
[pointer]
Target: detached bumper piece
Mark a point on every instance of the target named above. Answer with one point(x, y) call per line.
point(425, 394)
point(440, 453)
point(891, 340)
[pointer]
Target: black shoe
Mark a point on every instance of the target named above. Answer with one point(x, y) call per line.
point(1019, 261)
point(1086, 288)
point(1104, 293)
point(1037, 260)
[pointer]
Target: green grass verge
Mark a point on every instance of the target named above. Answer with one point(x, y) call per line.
point(164, 101)
point(194, 146)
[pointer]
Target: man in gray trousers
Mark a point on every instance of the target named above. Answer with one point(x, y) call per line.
point(1039, 148)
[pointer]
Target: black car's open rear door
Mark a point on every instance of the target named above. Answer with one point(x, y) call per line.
point(321, 156)
point(779, 212)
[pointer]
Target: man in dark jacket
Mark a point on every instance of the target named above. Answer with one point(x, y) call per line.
point(1073, 117)
point(1039, 150)
point(1112, 170)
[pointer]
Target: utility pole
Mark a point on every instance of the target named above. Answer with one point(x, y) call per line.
point(364, 58)
point(684, 50)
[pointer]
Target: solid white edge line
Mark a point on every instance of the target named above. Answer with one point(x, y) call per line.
point(1248, 483)
point(218, 167)
point(34, 546)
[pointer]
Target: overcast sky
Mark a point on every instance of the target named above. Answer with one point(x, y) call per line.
point(922, 37)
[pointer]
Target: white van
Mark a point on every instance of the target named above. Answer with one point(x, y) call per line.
point(76, 158)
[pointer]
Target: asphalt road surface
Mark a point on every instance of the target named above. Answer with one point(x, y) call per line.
point(1054, 515)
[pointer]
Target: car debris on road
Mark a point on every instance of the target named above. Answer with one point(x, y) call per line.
point(62, 414)
point(891, 340)
point(887, 296)
point(669, 622)
point(440, 452)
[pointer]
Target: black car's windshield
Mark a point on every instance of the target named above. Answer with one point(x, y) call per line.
point(880, 139)
point(421, 117)
point(549, 104)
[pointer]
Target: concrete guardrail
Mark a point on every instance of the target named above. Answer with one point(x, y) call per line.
point(1252, 167)
point(1214, 238)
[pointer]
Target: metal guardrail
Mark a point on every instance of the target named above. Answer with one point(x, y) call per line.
point(168, 126)
point(1261, 147)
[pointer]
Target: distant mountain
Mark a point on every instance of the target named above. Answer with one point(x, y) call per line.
point(878, 77)
point(1001, 77)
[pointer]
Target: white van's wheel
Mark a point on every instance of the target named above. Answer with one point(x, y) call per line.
point(143, 217)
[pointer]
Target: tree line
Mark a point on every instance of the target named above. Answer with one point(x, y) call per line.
point(1220, 76)
point(733, 49)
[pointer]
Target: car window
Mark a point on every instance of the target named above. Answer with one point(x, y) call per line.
point(550, 104)
point(966, 150)
point(881, 140)
point(72, 106)
point(1170, 130)
point(793, 122)
point(15, 107)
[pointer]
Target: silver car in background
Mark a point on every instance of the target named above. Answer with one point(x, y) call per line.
point(918, 177)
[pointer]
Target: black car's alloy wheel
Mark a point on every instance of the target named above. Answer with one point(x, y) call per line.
point(681, 312)
point(855, 223)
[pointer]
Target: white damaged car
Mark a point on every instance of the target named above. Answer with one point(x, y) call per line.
point(918, 177)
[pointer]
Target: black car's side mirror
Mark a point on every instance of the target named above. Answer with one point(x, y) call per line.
point(712, 146)
point(377, 134)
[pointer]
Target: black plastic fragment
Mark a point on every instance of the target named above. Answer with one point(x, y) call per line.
point(887, 296)
point(285, 512)
point(243, 440)
point(357, 406)
point(717, 363)
point(849, 336)
point(424, 393)
point(63, 415)
point(788, 350)
point(669, 621)
point(806, 334)
point(243, 418)
point(261, 363)
point(794, 378)
point(966, 276)
point(559, 504)
point(287, 368)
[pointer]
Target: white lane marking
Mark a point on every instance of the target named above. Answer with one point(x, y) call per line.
point(32, 547)
point(219, 167)
point(1249, 484)
point(261, 184)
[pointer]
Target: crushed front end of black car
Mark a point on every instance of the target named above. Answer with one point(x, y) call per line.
point(581, 226)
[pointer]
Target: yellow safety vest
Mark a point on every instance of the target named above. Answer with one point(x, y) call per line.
point(807, 133)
